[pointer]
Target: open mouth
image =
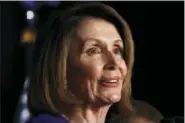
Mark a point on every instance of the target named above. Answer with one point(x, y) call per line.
point(109, 82)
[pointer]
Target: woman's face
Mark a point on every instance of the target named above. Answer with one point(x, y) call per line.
point(96, 66)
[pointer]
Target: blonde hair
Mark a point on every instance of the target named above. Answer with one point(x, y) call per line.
point(48, 90)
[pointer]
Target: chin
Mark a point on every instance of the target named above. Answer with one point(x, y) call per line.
point(105, 95)
point(109, 98)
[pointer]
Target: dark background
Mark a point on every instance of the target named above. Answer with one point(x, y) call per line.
point(158, 32)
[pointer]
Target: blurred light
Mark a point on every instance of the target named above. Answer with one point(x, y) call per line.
point(53, 3)
point(29, 4)
point(29, 15)
point(25, 114)
point(28, 36)
point(26, 83)
point(24, 98)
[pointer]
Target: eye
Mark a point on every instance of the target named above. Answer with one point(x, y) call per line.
point(118, 51)
point(93, 51)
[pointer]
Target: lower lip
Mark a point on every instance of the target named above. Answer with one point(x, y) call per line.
point(104, 84)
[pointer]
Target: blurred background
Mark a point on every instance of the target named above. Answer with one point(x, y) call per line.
point(158, 31)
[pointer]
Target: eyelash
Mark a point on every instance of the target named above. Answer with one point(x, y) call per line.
point(94, 50)
point(118, 49)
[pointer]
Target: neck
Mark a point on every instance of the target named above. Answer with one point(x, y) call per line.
point(89, 114)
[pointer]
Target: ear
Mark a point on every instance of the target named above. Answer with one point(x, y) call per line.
point(147, 111)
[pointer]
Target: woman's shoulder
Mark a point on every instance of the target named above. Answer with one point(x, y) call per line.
point(147, 111)
point(144, 113)
point(47, 118)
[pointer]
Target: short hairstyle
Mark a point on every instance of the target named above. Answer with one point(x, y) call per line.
point(48, 90)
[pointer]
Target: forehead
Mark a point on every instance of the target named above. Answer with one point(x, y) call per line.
point(97, 28)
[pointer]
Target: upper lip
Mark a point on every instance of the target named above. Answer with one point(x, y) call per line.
point(117, 78)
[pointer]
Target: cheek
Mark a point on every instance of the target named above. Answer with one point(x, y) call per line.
point(123, 67)
point(91, 67)
point(91, 71)
point(85, 68)
point(85, 71)
point(84, 79)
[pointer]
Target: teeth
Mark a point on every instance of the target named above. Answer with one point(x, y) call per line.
point(112, 81)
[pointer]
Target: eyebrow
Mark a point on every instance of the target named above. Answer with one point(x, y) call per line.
point(99, 41)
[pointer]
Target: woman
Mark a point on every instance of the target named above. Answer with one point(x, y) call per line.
point(82, 69)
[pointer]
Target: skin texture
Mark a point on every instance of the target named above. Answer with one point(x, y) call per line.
point(96, 56)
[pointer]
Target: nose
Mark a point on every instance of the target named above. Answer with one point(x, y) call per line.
point(110, 63)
